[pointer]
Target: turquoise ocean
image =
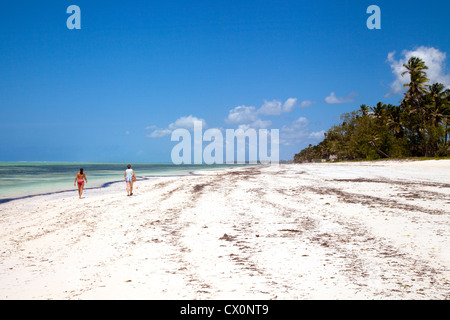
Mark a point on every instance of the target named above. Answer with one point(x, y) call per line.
point(25, 179)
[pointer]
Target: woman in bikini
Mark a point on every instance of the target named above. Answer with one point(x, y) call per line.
point(79, 179)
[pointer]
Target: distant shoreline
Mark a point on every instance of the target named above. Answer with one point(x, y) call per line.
point(374, 160)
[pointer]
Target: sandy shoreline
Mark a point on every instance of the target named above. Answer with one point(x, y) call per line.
point(369, 230)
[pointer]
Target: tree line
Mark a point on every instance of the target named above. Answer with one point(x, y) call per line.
point(417, 127)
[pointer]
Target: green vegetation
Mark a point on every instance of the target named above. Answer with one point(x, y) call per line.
point(418, 127)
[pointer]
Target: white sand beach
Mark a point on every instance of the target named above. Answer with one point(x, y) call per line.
point(367, 230)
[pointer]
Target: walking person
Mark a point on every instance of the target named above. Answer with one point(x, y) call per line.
point(130, 177)
point(80, 179)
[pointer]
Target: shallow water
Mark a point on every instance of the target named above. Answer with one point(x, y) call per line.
point(20, 179)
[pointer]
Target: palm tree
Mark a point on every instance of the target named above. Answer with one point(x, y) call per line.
point(437, 112)
point(394, 120)
point(379, 110)
point(413, 103)
point(364, 110)
point(415, 67)
point(446, 113)
point(436, 103)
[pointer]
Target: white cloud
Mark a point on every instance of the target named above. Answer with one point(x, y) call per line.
point(258, 124)
point(241, 114)
point(249, 117)
point(159, 133)
point(246, 117)
point(296, 125)
point(317, 135)
point(276, 107)
point(295, 132)
point(271, 108)
point(186, 123)
point(306, 103)
point(183, 122)
point(298, 132)
point(434, 60)
point(289, 104)
point(332, 99)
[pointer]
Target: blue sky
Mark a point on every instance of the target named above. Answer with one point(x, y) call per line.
point(113, 91)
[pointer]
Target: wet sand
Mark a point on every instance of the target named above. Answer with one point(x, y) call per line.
point(368, 230)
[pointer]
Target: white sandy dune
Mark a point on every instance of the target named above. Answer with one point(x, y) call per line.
point(369, 230)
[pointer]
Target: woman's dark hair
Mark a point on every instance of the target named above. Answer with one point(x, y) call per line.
point(81, 170)
point(129, 166)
